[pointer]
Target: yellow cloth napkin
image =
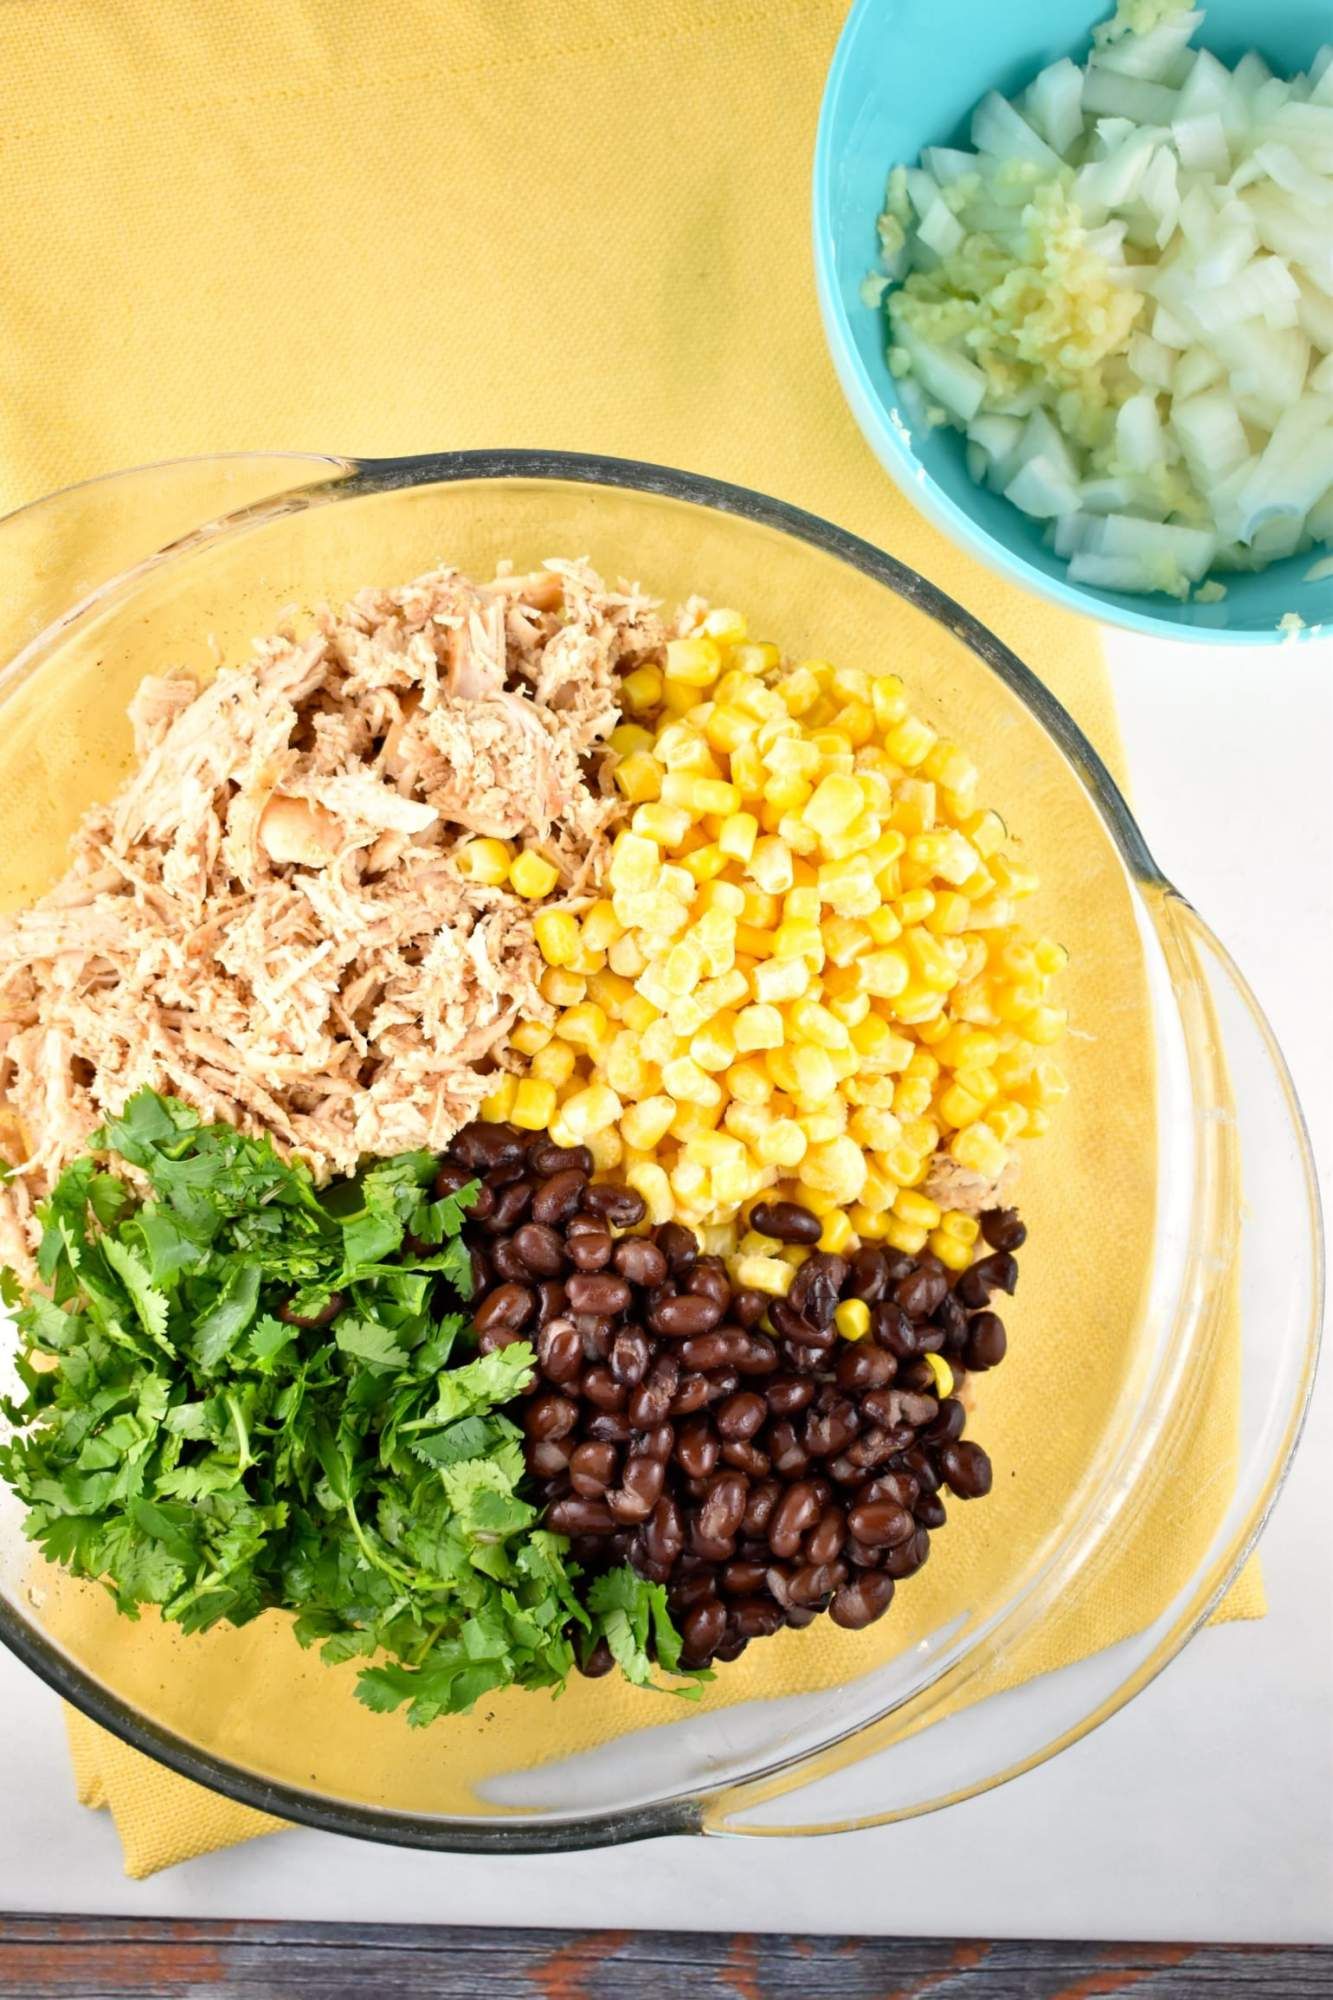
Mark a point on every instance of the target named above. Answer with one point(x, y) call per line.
point(333, 225)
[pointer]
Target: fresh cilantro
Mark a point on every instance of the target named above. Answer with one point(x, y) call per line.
point(190, 1445)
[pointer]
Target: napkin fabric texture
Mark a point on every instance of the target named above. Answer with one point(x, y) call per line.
point(332, 225)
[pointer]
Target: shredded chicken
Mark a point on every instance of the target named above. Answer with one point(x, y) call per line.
point(952, 1186)
point(268, 919)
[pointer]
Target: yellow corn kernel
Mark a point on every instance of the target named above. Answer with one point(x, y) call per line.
point(688, 1120)
point(532, 875)
point(562, 988)
point(1009, 1121)
point(714, 1046)
point(910, 742)
point(683, 1079)
point(649, 1180)
point(980, 1148)
point(781, 1144)
point(837, 1168)
point(644, 1124)
point(495, 1108)
point(799, 939)
point(747, 1121)
point(951, 914)
point(530, 1036)
point(747, 770)
point(634, 862)
point(607, 1149)
point(484, 861)
point(628, 738)
point(641, 691)
point(1044, 1025)
point(748, 1082)
point(852, 1317)
point(699, 795)
point(957, 1107)
point(737, 835)
point(665, 824)
point(685, 1015)
point(591, 1110)
point(942, 1373)
point(585, 1025)
point(909, 1206)
point(835, 804)
point(889, 701)
point(811, 1021)
point(878, 1192)
point(554, 1064)
point(759, 1027)
point(625, 957)
point(964, 1228)
point(763, 1274)
point(779, 979)
point(886, 973)
point(908, 1237)
point(729, 897)
point(557, 935)
point(901, 1164)
point(877, 1130)
point(751, 942)
point(849, 887)
point(770, 866)
point(697, 662)
point(814, 1078)
point(869, 1225)
point(534, 1104)
point(836, 1236)
point(683, 966)
point(954, 1256)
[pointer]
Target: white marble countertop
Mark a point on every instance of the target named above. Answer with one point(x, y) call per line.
point(1202, 1811)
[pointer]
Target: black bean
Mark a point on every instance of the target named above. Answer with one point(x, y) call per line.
point(816, 1288)
point(551, 1300)
point(630, 1355)
point(755, 1618)
point(577, 1516)
point(830, 1431)
point(688, 1587)
point(549, 1457)
point(623, 1207)
point(702, 1631)
point(651, 1401)
point(824, 1541)
point(951, 1318)
point(798, 1510)
point(1003, 1230)
point(867, 1275)
point(799, 1332)
point(864, 1366)
point(640, 1489)
point(691, 1395)
point(511, 1205)
point(610, 1427)
point(880, 1524)
point(595, 1333)
point(764, 1496)
point(930, 1511)
point(508, 1264)
point(558, 1196)
point(722, 1512)
point(786, 1221)
point(786, 1394)
point(908, 1556)
point(947, 1424)
point(758, 1357)
point(681, 1318)
point(967, 1469)
point(872, 1448)
point(722, 1382)
point(920, 1292)
point(986, 1342)
point(783, 1443)
point(659, 1442)
point(450, 1178)
point(597, 1292)
point(589, 1249)
point(743, 1578)
point(860, 1602)
point(815, 1582)
point(679, 1245)
point(697, 1447)
point(507, 1305)
point(550, 1416)
point(597, 1662)
point(713, 1350)
point(741, 1415)
point(708, 1280)
point(481, 1146)
point(640, 1261)
point(748, 1306)
point(592, 1467)
point(746, 1458)
point(496, 1337)
point(598, 1385)
point(664, 1535)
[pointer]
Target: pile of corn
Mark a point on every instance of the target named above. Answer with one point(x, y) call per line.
point(806, 970)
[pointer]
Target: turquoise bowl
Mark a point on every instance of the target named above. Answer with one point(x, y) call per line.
point(906, 74)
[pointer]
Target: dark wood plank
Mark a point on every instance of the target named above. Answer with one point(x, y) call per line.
point(103, 1958)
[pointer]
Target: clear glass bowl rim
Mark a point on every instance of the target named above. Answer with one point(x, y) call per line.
point(320, 478)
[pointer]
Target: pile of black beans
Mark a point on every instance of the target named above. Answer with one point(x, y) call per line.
point(730, 1445)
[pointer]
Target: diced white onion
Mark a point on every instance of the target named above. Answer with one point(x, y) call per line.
point(1202, 434)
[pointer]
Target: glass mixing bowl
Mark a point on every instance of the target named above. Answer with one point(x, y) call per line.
point(1162, 1341)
